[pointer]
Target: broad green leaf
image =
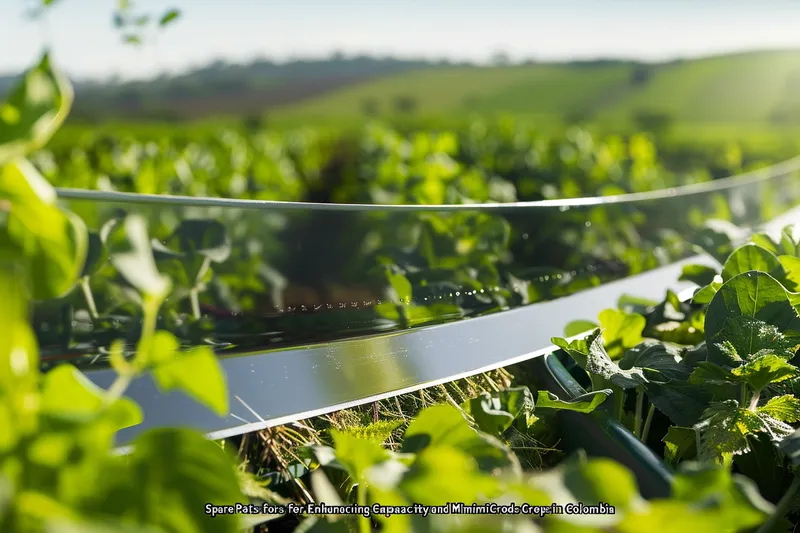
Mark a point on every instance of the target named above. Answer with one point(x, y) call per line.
point(576, 327)
point(591, 481)
point(495, 412)
point(197, 243)
point(67, 392)
point(586, 403)
point(444, 425)
point(763, 240)
point(667, 516)
point(590, 355)
point(791, 268)
point(702, 275)
point(742, 309)
point(725, 429)
point(767, 369)
point(785, 408)
point(788, 242)
point(733, 499)
point(635, 304)
point(50, 243)
point(620, 331)
point(442, 474)
point(727, 426)
point(705, 294)
point(400, 284)
point(183, 472)
point(198, 373)
point(163, 347)
point(683, 403)
point(19, 361)
point(679, 442)
point(96, 256)
point(34, 110)
point(136, 264)
point(661, 360)
point(751, 257)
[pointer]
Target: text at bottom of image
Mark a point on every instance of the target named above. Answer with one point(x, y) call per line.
point(451, 508)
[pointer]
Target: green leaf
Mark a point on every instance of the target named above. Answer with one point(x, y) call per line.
point(196, 372)
point(67, 392)
point(49, 243)
point(705, 294)
point(732, 500)
point(590, 355)
point(700, 274)
point(661, 360)
point(19, 361)
point(495, 412)
point(763, 240)
point(136, 264)
point(620, 331)
point(683, 403)
point(791, 268)
point(751, 257)
point(764, 370)
point(585, 403)
point(591, 481)
point(97, 254)
point(400, 284)
point(679, 442)
point(576, 327)
point(788, 242)
point(183, 472)
point(442, 474)
point(444, 425)
point(785, 408)
point(745, 312)
point(34, 110)
point(727, 426)
point(168, 17)
point(631, 304)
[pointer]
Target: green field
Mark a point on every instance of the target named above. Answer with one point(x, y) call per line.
point(749, 90)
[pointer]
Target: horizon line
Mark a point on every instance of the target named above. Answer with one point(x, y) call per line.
point(111, 79)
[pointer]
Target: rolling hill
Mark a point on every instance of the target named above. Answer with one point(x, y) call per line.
point(748, 88)
point(753, 89)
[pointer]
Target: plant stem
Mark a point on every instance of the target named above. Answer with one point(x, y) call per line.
point(754, 401)
point(637, 422)
point(364, 525)
point(782, 508)
point(620, 403)
point(194, 296)
point(646, 431)
point(118, 388)
point(89, 297)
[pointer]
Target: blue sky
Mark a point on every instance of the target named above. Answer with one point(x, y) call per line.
point(86, 45)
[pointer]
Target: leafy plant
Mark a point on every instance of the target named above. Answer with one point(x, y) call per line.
point(57, 466)
point(734, 390)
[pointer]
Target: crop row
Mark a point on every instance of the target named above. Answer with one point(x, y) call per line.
point(709, 384)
